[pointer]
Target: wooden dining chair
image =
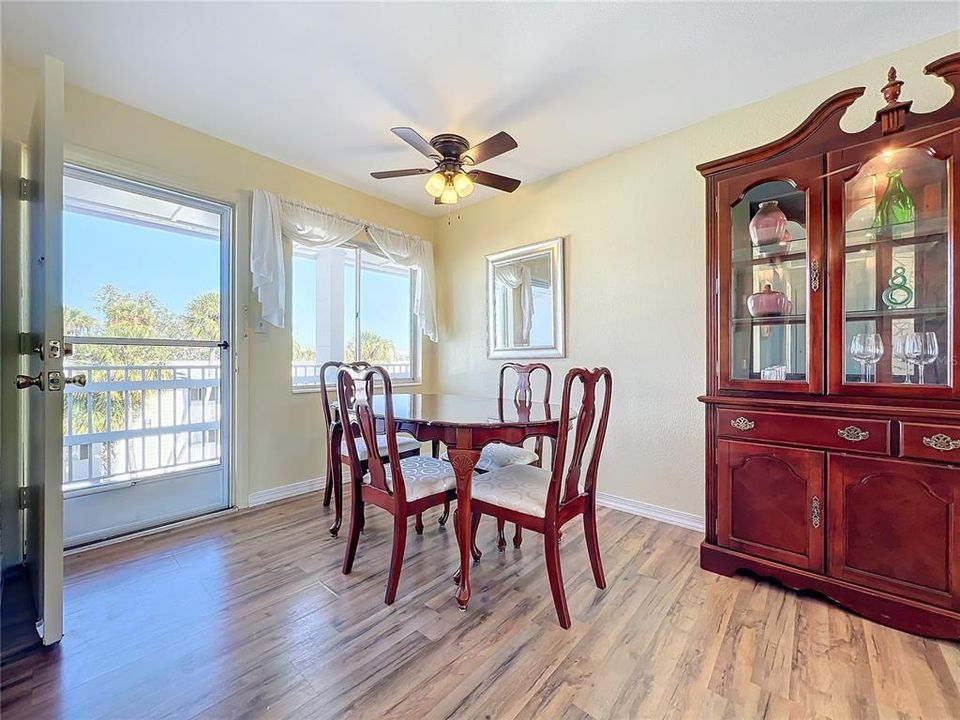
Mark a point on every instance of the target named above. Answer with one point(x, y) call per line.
point(404, 487)
point(546, 500)
point(498, 455)
point(407, 446)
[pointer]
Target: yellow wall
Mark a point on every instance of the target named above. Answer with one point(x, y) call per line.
point(282, 441)
point(635, 254)
point(635, 272)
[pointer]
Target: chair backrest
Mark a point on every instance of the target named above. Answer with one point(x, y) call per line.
point(357, 389)
point(578, 475)
point(523, 392)
point(324, 390)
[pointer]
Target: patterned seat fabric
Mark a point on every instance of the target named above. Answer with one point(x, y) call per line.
point(499, 455)
point(422, 476)
point(516, 487)
point(405, 443)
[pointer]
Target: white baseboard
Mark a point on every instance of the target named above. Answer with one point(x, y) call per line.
point(634, 507)
point(262, 497)
point(654, 512)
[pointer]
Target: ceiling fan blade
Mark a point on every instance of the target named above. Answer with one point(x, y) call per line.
point(489, 148)
point(400, 173)
point(416, 141)
point(500, 182)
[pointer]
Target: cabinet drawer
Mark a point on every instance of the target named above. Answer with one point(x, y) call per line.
point(940, 443)
point(840, 433)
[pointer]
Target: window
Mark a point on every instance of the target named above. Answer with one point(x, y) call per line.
point(342, 294)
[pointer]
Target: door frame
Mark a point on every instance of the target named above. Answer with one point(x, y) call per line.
point(111, 172)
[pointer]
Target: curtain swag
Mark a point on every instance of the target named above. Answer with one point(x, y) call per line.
point(276, 218)
point(514, 276)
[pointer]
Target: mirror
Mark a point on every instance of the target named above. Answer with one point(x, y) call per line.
point(525, 301)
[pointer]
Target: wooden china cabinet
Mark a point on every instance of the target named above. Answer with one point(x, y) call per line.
point(833, 389)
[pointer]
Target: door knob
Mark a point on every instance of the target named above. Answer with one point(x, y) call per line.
point(26, 381)
point(79, 380)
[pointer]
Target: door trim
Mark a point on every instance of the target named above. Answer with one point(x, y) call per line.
point(110, 172)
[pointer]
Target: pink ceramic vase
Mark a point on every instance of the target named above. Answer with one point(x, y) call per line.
point(769, 226)
point(768, 302)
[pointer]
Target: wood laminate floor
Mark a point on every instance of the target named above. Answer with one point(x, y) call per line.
point(249, 616)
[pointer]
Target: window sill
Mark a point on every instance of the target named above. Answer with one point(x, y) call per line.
point(308, 389)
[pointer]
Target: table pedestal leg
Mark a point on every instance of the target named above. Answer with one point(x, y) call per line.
point(463, 462)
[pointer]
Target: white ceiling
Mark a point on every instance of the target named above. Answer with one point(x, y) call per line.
point(319, 85)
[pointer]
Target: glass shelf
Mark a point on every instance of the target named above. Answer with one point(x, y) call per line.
point(895, 314)
point(770, 320)
point(912, 233)
point(796, 249)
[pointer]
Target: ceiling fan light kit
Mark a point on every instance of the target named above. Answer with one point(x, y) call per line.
point(448, 182)
point(436, 184)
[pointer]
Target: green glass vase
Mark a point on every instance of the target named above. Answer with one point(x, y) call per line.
point(896, 206)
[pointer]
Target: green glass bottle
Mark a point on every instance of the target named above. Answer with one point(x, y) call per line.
point(896, 206)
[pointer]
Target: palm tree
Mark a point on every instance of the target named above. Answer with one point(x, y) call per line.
point(374, 348)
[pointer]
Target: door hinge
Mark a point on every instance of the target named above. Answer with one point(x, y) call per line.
point(26, 188)
point(23, 498)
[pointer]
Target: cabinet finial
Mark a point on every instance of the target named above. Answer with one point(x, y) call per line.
point(891, 91)
point(893, 116)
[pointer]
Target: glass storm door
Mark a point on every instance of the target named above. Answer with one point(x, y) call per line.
point(893, 268)
point(146, 311)
point(771, 284)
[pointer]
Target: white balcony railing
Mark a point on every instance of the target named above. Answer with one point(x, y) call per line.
point(132, 421)
point(307, 374)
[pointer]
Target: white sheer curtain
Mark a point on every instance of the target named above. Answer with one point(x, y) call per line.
point(513, 276)
point(412, 252)
point(275, 218)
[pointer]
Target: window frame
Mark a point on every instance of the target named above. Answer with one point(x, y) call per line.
point(416, 337)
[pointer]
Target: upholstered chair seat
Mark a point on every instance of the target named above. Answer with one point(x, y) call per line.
point(516, 487)
point(405, 444)
point(499, 455)
point(422, 476)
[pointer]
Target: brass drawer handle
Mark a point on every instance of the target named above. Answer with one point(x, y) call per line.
point(853, 433)
point(815, 275)
point(742, 424)
point(815, 511)
point(941, 442)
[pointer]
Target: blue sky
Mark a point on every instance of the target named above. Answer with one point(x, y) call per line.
point(382, 297)
point(176, 267)
point(172, 266)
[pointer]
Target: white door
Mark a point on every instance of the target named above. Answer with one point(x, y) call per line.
point(41, 379)
point(146, 314)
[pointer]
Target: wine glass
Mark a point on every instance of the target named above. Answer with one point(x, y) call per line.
point(873, 351)
point(858, 349)
point(922, 349)
point(900, 354)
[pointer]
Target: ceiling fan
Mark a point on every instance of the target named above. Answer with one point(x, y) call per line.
point(448, 180)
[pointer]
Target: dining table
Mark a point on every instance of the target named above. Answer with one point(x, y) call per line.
point(464, 423)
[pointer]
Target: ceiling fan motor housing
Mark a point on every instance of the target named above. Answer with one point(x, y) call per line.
point(450, 146)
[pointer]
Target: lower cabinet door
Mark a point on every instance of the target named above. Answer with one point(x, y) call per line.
point(895, 526)
point(770, 502)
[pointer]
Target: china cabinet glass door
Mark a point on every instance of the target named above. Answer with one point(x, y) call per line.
point(770, 279)
point(893, 271)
